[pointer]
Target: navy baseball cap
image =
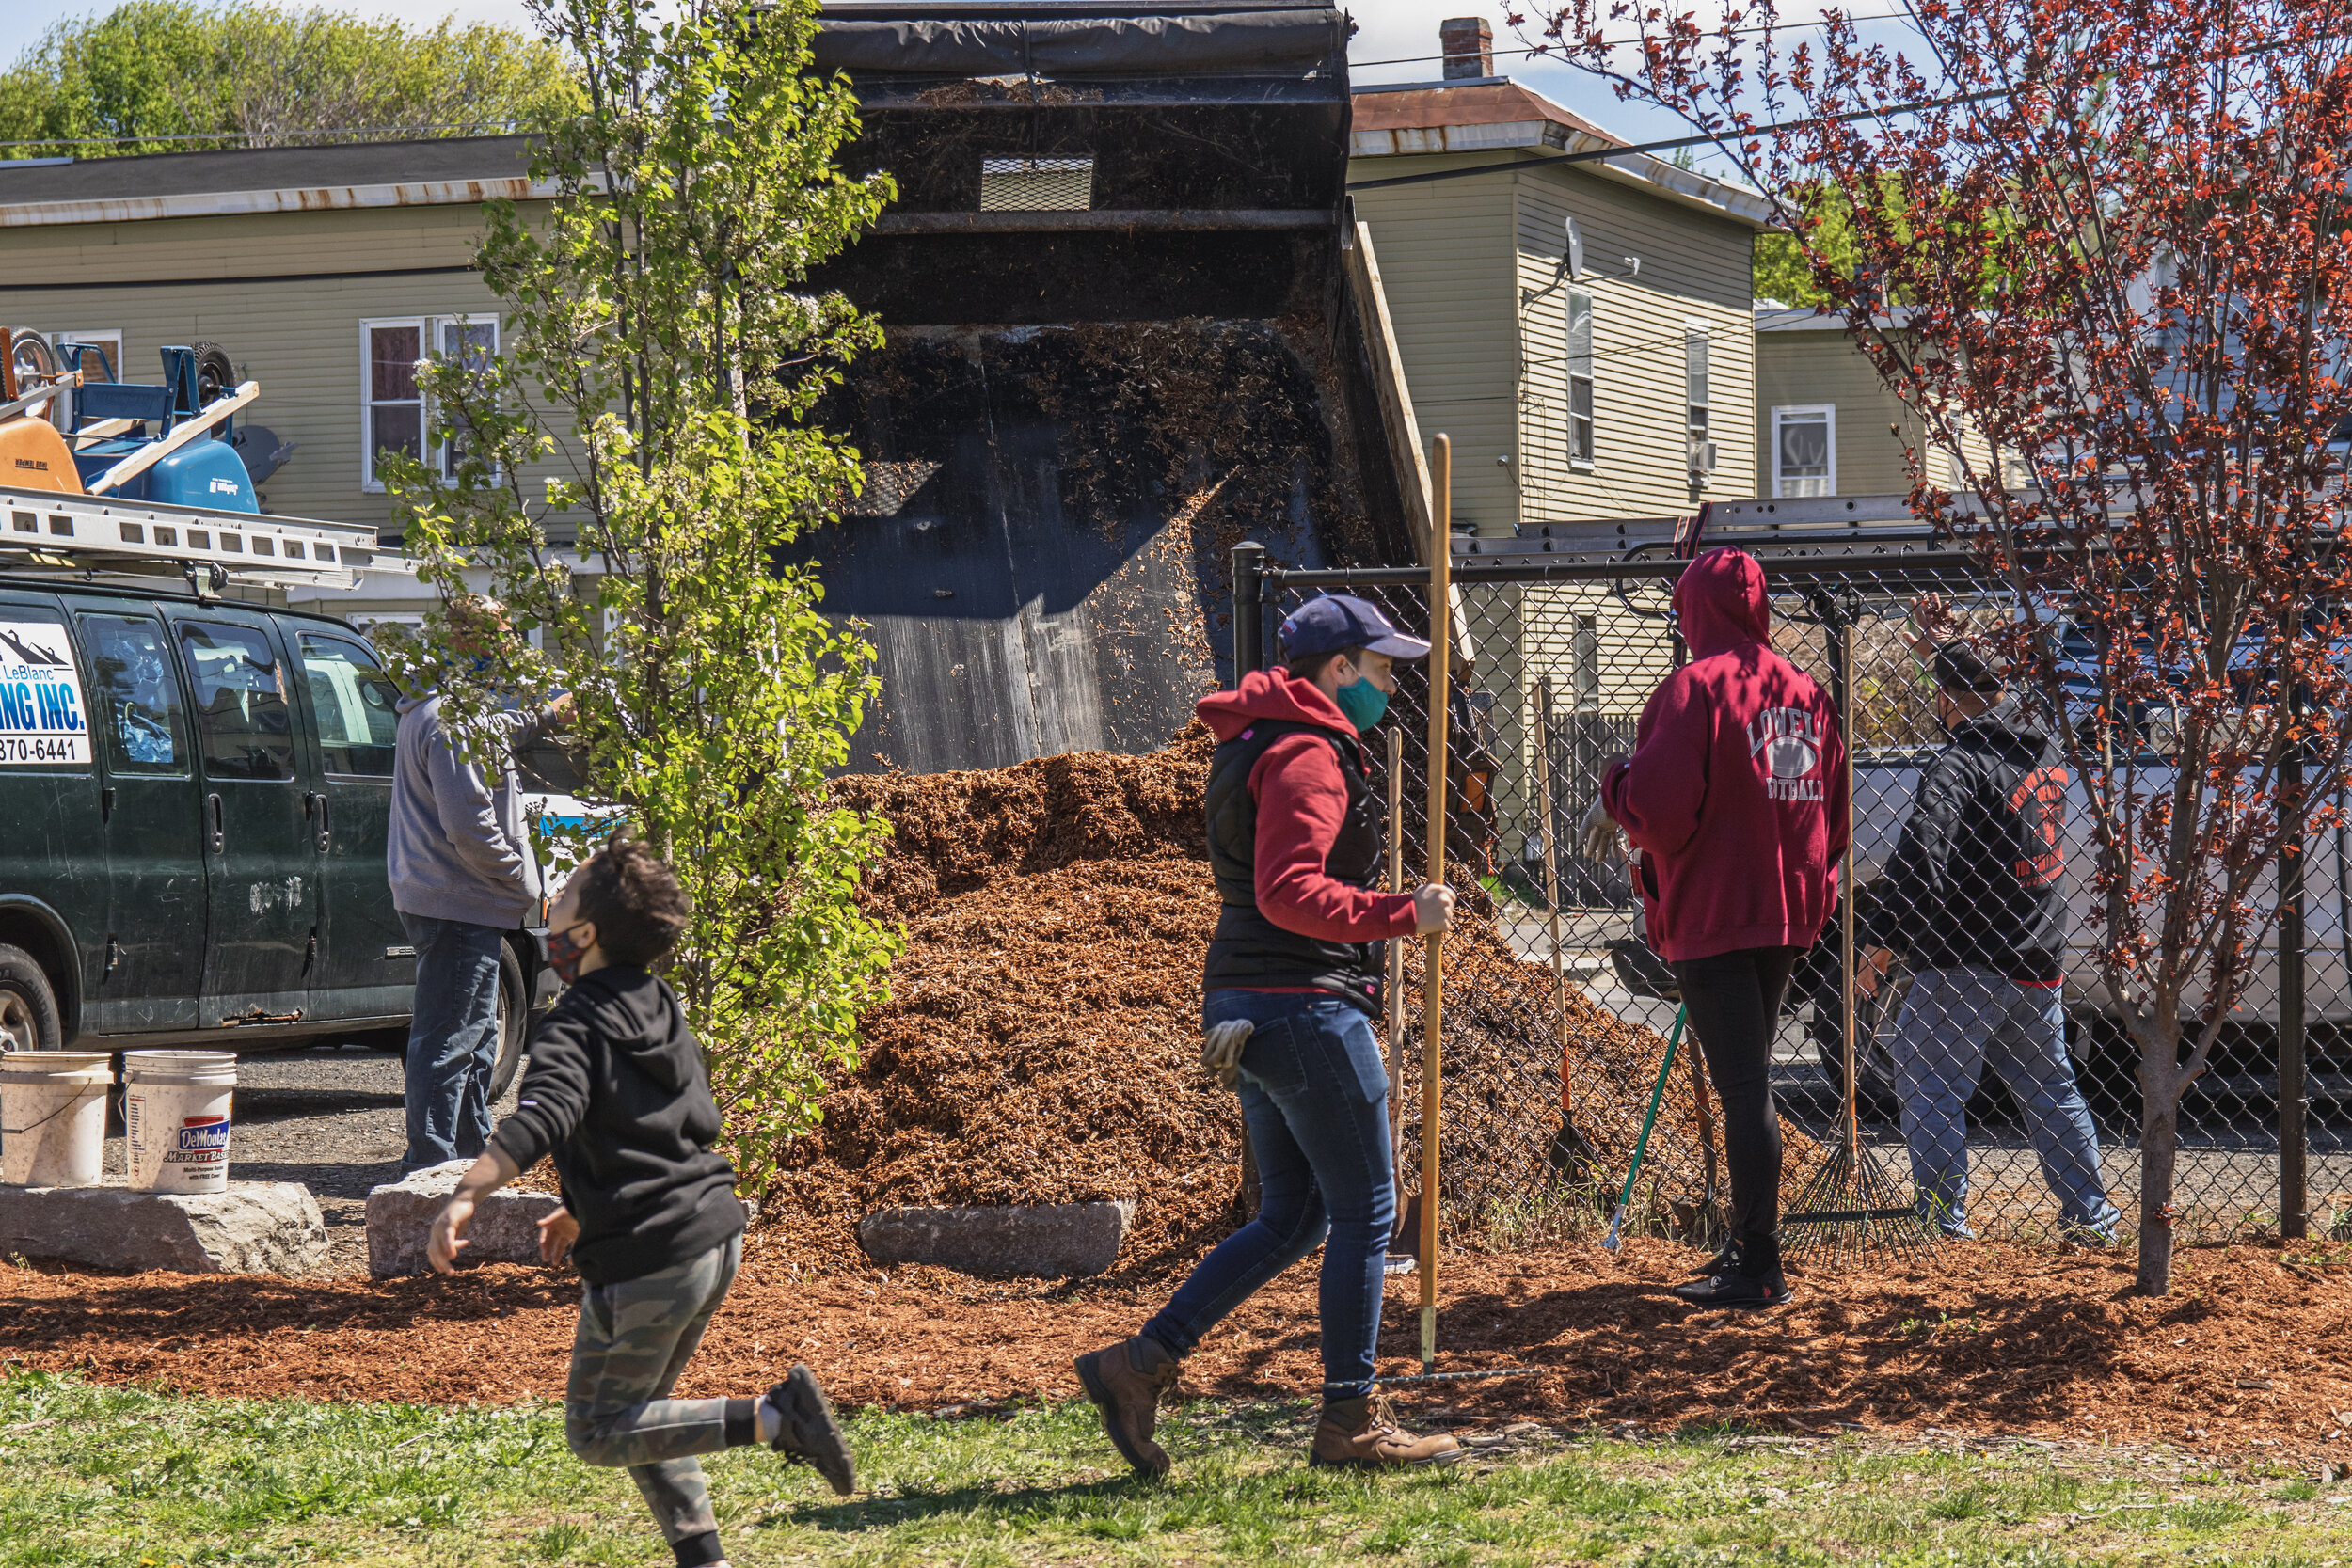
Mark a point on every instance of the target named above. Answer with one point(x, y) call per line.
point(1337, 622)
point(1960, 667)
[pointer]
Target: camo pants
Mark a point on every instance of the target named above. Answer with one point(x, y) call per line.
point(635, 1339)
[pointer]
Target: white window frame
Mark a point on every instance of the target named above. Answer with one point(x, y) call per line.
point(1829, 412)
point(1698, 414)
point(1584, 460)
point(109, 338)
point(428, 341)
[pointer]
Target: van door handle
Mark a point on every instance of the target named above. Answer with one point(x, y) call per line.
point(219, 835)
point(326, 832)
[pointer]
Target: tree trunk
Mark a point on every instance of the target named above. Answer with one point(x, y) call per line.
point(2159, 1138)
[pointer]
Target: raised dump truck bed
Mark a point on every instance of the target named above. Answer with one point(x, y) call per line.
point(1130, 323)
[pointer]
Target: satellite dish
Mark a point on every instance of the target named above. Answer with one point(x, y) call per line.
point(1574, 260)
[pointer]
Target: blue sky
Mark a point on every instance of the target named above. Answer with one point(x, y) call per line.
point(1387, 30)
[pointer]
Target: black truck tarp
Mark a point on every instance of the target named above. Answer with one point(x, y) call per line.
point(1086, 398)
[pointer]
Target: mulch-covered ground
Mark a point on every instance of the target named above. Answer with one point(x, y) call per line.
point(1991, 1339)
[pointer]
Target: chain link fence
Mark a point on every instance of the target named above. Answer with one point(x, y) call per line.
point(2011, 1097)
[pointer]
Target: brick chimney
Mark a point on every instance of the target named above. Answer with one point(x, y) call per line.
point(1469, 44)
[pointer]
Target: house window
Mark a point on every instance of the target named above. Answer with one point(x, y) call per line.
point(1694, 393)
point(395, 416)
point(1586, 653)
point(1581, 444)
point(100, 358)
point(1804, 450)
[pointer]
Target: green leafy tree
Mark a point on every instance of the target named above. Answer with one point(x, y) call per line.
point(1783, 270)
point(166, 76)
point(662, 353)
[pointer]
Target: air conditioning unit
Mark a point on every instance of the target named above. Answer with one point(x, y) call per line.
point(1702, 459)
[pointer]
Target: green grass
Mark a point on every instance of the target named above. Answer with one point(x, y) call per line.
point(128, 1479)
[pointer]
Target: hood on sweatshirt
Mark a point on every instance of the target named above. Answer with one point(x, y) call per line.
point(641, 1022)
point(1720, 602)
point(1270, 694)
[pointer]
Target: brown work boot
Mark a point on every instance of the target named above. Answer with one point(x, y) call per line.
point(1362, 1433)
point(1126, 1380)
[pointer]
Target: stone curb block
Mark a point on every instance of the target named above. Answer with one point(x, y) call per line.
point(253, 1227)
point(506, 1227)
point(1056, 1241)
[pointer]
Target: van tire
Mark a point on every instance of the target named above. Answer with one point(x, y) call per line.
point(514, 1022)
point(29, 1020)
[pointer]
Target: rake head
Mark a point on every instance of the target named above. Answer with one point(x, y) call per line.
point(1852, 1212)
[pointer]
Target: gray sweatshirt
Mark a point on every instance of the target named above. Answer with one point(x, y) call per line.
point(459, 848)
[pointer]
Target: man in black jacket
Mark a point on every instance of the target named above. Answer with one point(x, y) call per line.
point(617, 1093)
point(1973, 902)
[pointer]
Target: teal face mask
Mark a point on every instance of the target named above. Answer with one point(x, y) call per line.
point(1363, 702)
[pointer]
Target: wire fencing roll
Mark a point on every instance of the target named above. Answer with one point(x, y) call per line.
point(2005, 1090)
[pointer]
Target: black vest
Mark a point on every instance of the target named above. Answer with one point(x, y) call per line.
point(1249, 950)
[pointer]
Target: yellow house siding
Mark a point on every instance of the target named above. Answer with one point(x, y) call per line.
point(1804, 368)
point(1824, 366)
point(300, 339)
point(1446, 267)
point(1693, 269)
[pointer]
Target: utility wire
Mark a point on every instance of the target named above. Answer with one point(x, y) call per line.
point(1732, 134)
point(1614, 43)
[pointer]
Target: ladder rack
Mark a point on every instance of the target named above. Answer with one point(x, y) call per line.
point(268, 552)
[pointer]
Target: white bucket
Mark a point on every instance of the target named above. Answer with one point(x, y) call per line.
point(175, 1119)
point(53, 1116)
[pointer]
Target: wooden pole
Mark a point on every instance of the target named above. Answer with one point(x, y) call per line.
point(1433, 964)
point(1539, 705)
point(1846, 933)
point(1396, 950)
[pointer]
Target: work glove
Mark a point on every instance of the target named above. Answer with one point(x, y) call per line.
point(1599, 833)
point(1220, 1050)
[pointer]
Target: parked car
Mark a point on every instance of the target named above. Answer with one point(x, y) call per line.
point(195, 794)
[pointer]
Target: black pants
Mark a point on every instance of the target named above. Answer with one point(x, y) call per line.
point(1734, 1000)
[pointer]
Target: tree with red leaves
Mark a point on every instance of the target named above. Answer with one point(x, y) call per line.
point(2115, 237)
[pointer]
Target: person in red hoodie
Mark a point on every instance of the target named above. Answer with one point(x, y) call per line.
point(1736, 797)
point(1294, 969)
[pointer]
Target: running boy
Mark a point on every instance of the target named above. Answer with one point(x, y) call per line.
point(617, 1093)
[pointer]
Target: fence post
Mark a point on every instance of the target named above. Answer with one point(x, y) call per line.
point(2295, 1198)
point(1249, 608)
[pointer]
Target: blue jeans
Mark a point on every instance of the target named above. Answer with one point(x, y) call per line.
point(1314, 1098)
point(453, 1039)
point(1955, 1019)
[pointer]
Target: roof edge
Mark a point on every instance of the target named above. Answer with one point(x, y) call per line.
point(300, 199)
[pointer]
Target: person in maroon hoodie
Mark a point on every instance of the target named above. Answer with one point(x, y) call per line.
point(1736, 797)
point(1294, 841)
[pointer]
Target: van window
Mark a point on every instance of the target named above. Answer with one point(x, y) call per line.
point(241, 714)
point(137, 695)
point(357, 721)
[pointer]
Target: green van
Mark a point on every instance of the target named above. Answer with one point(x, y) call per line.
point(194, 794)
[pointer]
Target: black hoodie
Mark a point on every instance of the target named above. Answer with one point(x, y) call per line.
point(617, 1092)
point(1975, 878)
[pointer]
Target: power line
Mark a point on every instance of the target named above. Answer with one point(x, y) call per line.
point(1903, 15)
point(1735, 133)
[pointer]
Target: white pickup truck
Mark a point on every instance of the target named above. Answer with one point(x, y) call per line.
point(1885, 781)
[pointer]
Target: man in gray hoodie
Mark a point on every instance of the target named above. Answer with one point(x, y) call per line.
point(463, 874)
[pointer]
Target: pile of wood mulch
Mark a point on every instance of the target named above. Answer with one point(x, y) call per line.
point(1041, 1041)
point(1991, 1339)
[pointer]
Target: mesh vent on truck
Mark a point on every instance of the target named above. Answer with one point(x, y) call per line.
point(1036, 185)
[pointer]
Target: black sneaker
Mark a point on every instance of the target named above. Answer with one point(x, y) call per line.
point(1743, 1292)
point(807, 1434)
point(1724, 1262)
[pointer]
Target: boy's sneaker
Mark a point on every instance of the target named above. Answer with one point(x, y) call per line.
point(806, 1432)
